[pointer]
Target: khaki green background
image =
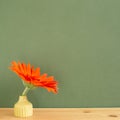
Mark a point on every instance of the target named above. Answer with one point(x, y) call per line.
point(77, 41)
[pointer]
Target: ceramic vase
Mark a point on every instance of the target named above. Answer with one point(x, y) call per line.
point(23, 108)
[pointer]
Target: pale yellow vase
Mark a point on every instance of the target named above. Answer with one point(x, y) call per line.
point(23, 108)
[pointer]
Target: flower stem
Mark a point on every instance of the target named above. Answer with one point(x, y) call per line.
point(25, 91)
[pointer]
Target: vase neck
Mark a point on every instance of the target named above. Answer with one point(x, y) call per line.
point(22, 98)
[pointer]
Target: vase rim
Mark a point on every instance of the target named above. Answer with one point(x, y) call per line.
point(22, 96)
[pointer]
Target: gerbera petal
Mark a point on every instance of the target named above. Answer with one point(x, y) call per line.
point(24, 66)
point(43, 77)
point(28, 69)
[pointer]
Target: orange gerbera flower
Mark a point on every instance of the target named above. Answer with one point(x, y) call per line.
point(32, 77)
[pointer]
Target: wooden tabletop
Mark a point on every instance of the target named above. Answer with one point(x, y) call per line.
point(65, 114)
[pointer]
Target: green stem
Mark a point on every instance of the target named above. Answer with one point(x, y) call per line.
point(25, 91)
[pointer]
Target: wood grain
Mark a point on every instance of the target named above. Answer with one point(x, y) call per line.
point(65, 114)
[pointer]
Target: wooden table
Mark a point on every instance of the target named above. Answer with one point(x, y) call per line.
point(65, 114)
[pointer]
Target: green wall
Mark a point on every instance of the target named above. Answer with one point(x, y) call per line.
point(77, 41)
